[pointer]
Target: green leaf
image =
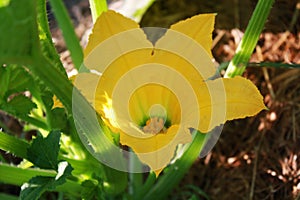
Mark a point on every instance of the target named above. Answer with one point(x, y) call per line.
point(47, 98)
point(4, 81)
point(65, 24)
point(91, 191)
point(40, 184)
point(19, 79)
point(18, 106)
point(14, 79)
point(36, 187)
point(97, 7)
point(43, 152)
point(193, 197)
point(18, 38)
point(58, 119)
point(195, 190)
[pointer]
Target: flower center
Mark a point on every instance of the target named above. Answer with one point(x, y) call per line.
point(157, 120)
point(155, 125)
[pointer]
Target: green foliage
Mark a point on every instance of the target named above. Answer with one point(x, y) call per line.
point(8, 197)
point(91, 191)
point(14, 79)
point(40, 184)
point(70, 37)
point(19, 105)
point(58, 120)
point(43, 152)
point(194, 192)
point(19, 41)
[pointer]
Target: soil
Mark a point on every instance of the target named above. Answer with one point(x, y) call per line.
point(254, 158)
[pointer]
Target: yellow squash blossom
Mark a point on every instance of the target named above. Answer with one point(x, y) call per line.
point(152, 93)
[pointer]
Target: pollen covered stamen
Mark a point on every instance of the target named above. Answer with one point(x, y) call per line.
point(155, 125)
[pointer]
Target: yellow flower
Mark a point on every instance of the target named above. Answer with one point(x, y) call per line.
point(152, 93)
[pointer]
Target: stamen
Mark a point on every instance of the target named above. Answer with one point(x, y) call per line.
point(155, 125)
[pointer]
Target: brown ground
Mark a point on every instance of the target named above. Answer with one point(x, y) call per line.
point(257, 157)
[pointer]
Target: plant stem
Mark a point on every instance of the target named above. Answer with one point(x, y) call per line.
point(35, 122)
point(17, 176)
point(135, 179)
point(139, 194)
point(239, 62)
point(274, 65)
point(46, 43)
point(13, 145)
point(55, 80)
point(67, 28)
point(8, 197)
point(97, 7)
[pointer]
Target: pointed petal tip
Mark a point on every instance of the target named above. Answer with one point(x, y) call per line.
point(108, 24)
point(157, 172)
point(199, 28)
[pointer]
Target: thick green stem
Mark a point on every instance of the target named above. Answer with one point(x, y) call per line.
point(13, 145)
point(59, 84)
point(17, 176)
point(67, 28)
point(239, 62)
point(46, 43)
point(140, 193)
point(135, 179)
point(8, 197)
point(97, 7)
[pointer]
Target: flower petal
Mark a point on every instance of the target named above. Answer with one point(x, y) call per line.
point(242, 98)
point(108, 24)
point(198, 28)
point(86, 83)
point(113, 35)
point(147, 97)
point(193, 47)
point(228, 99)
point(158, 150)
